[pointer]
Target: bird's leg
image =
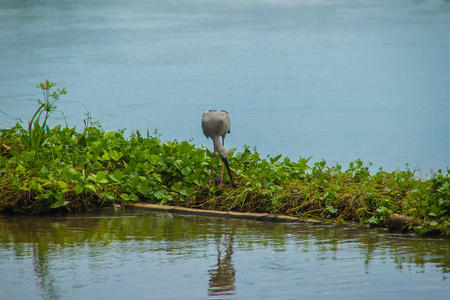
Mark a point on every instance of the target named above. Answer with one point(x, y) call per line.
point(221, 177)
point(214, 158)
point(226, 164)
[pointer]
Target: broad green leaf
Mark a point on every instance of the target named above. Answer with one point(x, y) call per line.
point(276, 158)
point(434, 223)
point(108, 196)
point(143, 189)
point(43, 171)
point(114, 155)
point(62, 184)
point(79, 189)
point(46, 195)
point(34, 185)
point(118, 175)
point(176, 186)
point(159, 194)
point(59, 203)
point(57, 196)
point(101, 175)
point(153, 158)
point(186, 171)
point(134, 182)
point(90, 187)
point(133, 197)
point(178, 163)
point(434, 211)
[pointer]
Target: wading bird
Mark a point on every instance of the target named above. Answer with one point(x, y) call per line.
point(216, 124)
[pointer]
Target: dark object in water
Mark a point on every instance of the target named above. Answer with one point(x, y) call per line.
point(398, 222)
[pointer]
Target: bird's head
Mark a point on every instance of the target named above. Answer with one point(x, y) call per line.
point(223, 153)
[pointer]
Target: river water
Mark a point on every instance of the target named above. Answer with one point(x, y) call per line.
point(141, 255)
point(332, 79)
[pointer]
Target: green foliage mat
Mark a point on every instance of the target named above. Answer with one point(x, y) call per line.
point(59, 169)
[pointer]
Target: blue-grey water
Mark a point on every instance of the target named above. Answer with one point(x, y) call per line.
point(332, 79)
point(137, 255)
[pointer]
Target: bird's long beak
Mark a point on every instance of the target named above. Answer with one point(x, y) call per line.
point(225, 161)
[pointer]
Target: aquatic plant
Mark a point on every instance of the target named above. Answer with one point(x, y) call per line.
point(59, 169)
point(36, 134)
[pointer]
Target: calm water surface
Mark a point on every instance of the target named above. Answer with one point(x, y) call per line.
point(332, 79)
point(137, 255)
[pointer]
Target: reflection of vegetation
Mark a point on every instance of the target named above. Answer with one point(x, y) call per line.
point(178, 234)
point(50, 240)
point(61, 169)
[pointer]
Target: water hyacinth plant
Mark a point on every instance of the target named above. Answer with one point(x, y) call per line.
point(61, 169)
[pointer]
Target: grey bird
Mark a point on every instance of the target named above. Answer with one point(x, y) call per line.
point(216, 124)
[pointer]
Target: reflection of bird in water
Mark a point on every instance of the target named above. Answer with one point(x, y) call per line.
point(223, 277)
point(216, 124)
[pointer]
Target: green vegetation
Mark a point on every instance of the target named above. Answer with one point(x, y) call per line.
point(59, 169)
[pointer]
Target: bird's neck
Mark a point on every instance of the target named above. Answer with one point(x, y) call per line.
point(217, 143)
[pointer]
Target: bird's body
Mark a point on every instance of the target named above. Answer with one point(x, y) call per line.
point(216, 124)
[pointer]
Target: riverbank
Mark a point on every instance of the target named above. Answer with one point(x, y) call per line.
point(61, 169)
